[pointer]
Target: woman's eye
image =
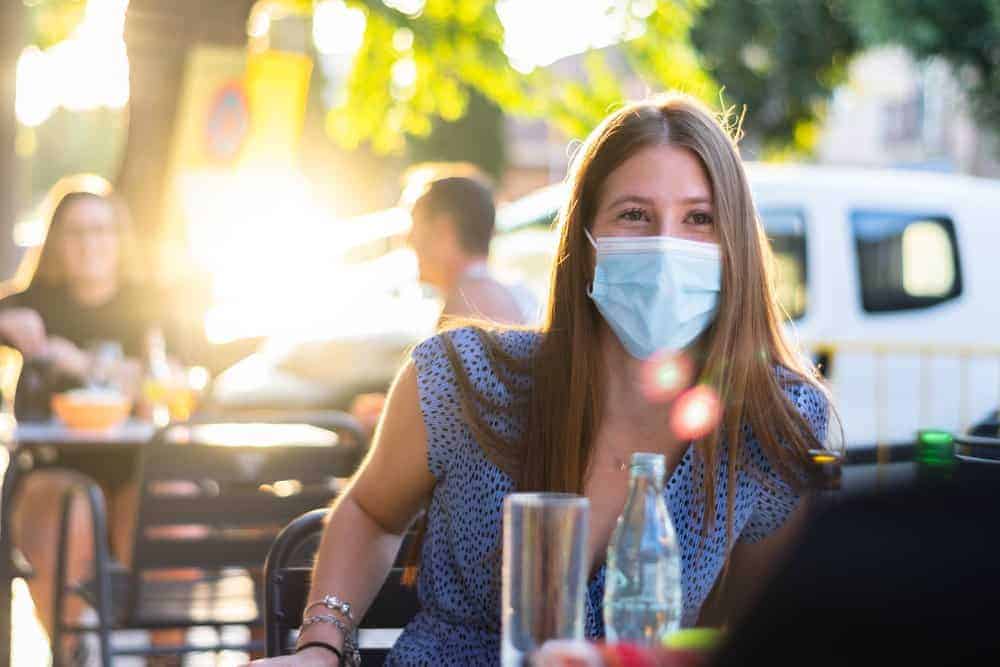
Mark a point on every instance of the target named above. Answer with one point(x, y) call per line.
point(634, 215)
point(700, 218)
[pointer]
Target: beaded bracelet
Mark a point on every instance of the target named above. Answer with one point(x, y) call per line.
point(350, 642)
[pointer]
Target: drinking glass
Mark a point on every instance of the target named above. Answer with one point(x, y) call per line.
point(545, 565)
point(105, 354)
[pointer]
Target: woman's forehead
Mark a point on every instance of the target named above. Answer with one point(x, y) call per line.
point(661, 174)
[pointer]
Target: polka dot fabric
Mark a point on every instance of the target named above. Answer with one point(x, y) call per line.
point(459, 621)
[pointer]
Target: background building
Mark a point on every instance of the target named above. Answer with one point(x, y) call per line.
point(897, 112)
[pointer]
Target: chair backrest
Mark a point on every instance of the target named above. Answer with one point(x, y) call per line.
point(287, 580)
point(214, 496)
point(988, 427)
point(978, 449)
point(346, 426)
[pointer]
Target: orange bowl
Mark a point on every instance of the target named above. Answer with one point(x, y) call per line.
point(91, 411)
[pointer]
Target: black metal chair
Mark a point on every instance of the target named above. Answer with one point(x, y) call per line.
point(346, 426)
point(977, 457)
point(212, 499)
point(287, 575)
point(974, 448)
point(988, 427)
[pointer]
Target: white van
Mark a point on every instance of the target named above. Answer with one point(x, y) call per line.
point(891, 278)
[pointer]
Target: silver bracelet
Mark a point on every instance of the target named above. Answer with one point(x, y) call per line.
point(351, 652)
point(333, 603)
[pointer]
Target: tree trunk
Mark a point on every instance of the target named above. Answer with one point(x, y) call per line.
point(11, 42)
point(159, 34)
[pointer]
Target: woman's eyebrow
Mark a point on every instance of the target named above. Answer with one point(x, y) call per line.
point(647, 201)
point(697, 199)
point(624, 199)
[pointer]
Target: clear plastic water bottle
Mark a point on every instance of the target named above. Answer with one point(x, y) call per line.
point(642, 597)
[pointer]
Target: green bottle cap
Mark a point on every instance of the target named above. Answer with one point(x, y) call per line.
point(935, 448)
point(693, 639)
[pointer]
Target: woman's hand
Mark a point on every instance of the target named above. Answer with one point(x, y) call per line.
point(24, 329)
point(67, 357)
point(311, 657)
point(126, 376)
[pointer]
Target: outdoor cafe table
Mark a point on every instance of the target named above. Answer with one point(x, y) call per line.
point(31, 445)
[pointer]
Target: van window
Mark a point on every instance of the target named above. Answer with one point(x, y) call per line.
point(906, 261)
point(786, 230)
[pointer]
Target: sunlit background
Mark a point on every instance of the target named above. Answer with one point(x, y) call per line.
point(263, 151)
point(230, 212)
point(223, 207)
point(86, 71)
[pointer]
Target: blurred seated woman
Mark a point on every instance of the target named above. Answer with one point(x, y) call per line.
point(84, 296)
point(661, 250)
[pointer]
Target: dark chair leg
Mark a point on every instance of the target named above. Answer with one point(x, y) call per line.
point(95, 501)
point(59, 585)
point(11, 479)
point(272, 618)
point(102, 571)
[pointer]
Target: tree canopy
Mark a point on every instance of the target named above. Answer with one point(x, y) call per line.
point(451, 48)
point(421, 61)
point(781, 58)
point(965, 33)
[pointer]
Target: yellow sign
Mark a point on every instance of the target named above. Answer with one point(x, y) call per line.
point(277, 88)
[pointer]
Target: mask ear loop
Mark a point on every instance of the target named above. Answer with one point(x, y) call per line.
point(590, 290)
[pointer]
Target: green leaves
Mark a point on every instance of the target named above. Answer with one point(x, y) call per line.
point(53, 20)
point(965, 33)
point(457, 48)
point(451, 47)
point(419, 63)
point(780, 58)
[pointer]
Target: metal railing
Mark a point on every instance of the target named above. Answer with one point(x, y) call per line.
point(925, 354)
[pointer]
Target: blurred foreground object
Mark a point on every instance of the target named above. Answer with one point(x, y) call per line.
point(568, 653)
point(909, 577)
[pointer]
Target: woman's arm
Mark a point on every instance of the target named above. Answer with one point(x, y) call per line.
point(368, 521)
point(779, 515)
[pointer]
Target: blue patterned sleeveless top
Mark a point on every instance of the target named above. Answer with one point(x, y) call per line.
point(459, 621)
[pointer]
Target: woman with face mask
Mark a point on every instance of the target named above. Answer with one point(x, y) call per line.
point(661, 251)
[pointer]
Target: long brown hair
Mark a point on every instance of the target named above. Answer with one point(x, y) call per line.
point(41, 264)
point(738, 354)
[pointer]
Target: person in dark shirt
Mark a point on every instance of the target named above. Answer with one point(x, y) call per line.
point(125, 318)
point(84, 292)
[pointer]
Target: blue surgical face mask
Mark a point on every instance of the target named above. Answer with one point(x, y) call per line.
point(656, 292)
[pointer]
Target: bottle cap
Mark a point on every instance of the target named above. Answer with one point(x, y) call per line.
point(694, 639)
point(650, 463)
point(935, 448)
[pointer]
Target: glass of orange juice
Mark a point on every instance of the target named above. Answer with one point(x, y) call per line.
point(175, 397)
